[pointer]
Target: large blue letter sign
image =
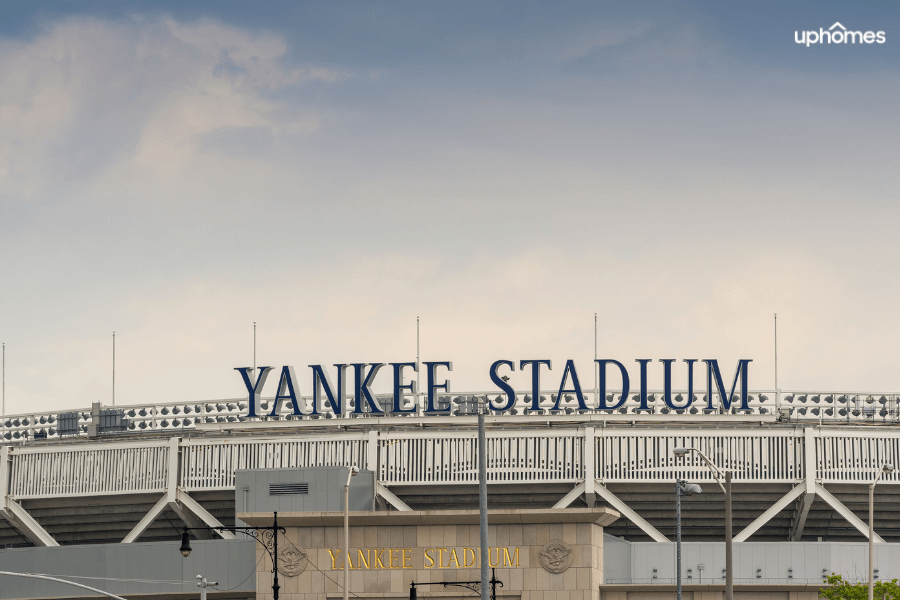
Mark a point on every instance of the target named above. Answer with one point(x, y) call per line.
point(335, 395)
point(602, 362)
point(430, 369)
point(498, 381)
point(285, 391)
point(399, 387)
point(712, 373)
point(576, 386)
point(535, 380)
point(253, 391)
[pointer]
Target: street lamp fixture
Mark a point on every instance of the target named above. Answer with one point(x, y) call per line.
point(886, 469)
point(682, 488)
point(717, 473)
point(266, 536)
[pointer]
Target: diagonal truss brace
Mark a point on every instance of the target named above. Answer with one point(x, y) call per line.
point(846, 513)
point(15, 513)
point(188, 510)
point(388, 495)
point(19, 518)
point(617, 504)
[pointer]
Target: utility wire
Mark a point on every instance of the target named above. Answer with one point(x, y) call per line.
point(261, 556)
point(318, 569)
point(170, 582)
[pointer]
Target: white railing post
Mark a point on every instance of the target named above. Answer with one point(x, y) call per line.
point(372, 452)
point(173, 477)
point(4, 475)
point(590, 472)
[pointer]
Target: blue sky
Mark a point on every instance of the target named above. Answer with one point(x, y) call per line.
point(176, 171)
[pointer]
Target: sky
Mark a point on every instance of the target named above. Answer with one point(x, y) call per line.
point(174, 172)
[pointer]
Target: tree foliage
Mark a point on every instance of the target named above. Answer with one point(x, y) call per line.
point(844, 590)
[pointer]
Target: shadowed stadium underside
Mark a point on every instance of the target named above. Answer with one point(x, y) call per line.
point(790, 482)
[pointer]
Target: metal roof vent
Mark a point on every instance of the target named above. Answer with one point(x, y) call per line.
point(288, 489)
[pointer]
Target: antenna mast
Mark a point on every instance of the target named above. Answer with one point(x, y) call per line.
point(418, 366)
point(114, 371)
point(254, 348)
point(777, 390)
point(596, 370)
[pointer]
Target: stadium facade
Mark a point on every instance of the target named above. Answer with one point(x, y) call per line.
point(126, 478)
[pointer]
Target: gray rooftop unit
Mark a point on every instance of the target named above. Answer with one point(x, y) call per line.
point(311, 489)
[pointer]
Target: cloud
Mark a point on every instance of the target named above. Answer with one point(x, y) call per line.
point(89, 97)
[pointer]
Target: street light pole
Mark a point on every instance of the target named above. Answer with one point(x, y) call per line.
point(886, 469)
point(678, 538)
point(352, 471)
point(482, 501)
point(682, 488)
point(729, 570)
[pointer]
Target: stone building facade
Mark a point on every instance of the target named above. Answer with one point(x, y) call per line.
point(536, 554)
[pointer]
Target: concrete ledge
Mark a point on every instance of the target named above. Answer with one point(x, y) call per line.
point(713, 587)
point(599, 516)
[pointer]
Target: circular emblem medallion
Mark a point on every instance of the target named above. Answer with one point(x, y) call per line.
point(291, 562)
point(556, 556)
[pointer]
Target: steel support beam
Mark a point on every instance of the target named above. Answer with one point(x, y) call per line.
point(569, 498)
point(145, 522)
point(13, 512)
point(632, 516)
point(846, 513)
point(799, 521)
point(771, 512)
point(19, 518)
point(391, 497)
point(185, 503)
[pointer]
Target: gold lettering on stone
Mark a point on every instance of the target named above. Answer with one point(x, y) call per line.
point(466, 553)
point(429, 559)
point(331, 552)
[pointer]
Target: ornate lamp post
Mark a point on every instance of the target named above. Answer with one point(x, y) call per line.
point(266, 536)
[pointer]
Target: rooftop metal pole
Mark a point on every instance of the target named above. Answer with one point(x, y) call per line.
point(114, 371)
point(777, 391)
point(418, 365)
point(596, 366)
point(482, 502)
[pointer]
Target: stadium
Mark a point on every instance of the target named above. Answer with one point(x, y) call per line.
point(801, 462)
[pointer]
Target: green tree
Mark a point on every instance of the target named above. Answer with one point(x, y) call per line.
point(844, 590)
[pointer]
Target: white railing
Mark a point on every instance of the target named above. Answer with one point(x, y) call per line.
point(176, 417)
point(448, 456)
point(628, 455)
point(514, 457)
point(89, 470)
point(210, 465)
point(856, 456)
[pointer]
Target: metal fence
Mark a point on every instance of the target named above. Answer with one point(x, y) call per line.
point(796, 407)
point(438, 457)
